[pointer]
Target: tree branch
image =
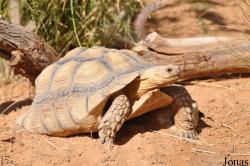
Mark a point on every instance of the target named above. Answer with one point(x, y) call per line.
point(199, 57)
point(25, 52)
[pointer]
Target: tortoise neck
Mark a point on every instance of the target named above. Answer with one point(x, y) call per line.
point(139, 87)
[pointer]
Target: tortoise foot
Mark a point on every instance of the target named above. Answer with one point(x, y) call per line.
point(184, 110)
point(186, 120)
point(191, 134)
point(114, 119)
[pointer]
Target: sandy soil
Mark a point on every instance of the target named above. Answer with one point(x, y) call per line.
point(224, 130)
point(185, 18)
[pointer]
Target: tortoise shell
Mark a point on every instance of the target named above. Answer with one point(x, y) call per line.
point(71, 93)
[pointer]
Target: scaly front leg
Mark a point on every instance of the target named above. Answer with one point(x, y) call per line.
point(184, 110)
point(114, 119)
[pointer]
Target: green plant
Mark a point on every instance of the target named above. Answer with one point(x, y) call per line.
point(67, 24)
point(4, 9)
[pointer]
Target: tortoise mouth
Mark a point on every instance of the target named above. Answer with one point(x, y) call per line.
point(167, 79)
point(147, 85)
point(175, 78)
point(170, 80)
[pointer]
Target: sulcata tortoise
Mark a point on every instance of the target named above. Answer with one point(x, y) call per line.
point(97, 89)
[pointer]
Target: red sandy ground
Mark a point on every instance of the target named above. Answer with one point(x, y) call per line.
point(224, 131)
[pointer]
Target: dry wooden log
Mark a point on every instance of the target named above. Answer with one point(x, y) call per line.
point(173, 46)
point(25, 52)
point(198, 57)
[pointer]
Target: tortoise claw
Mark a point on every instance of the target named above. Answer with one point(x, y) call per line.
point(106, 139)
point(105, 136)
point(190, 134)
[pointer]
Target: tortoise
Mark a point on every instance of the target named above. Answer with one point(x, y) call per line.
point(98, 89)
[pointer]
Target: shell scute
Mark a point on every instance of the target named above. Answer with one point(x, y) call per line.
point(93, 98)
point(90, 73)
point(119, 61)
point(43, 80)
point(63, 114)
point(63, 76)
point(93, 52)
point(77, 106)
point(117, 83)
point(49, 119)
point(72, 54)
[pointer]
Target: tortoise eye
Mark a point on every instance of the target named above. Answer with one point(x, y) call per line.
point(169, 70)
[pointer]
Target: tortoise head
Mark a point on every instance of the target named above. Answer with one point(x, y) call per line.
point(157, 77)
point(160, 76)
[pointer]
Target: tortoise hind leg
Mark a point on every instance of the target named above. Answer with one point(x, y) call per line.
point(184, 110)
point(114, 119)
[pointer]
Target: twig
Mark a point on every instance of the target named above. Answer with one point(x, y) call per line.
point(186, 139)
point(141, 3)
point(74, 23)
point(53, 145)
point(22, 130)
point(240, 154)
point(203, 151)
point(12, 135)
point(205, 142)
point(227, 126)
point(6, 109)
point(139, 23)
point(9, 138)
point(214, 85)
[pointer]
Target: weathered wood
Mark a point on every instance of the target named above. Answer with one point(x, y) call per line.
point(197, 57)
point(171, 46)
point(200, 59)
point(25, 52)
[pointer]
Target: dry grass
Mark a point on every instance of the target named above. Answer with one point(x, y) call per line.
point(6, 73)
